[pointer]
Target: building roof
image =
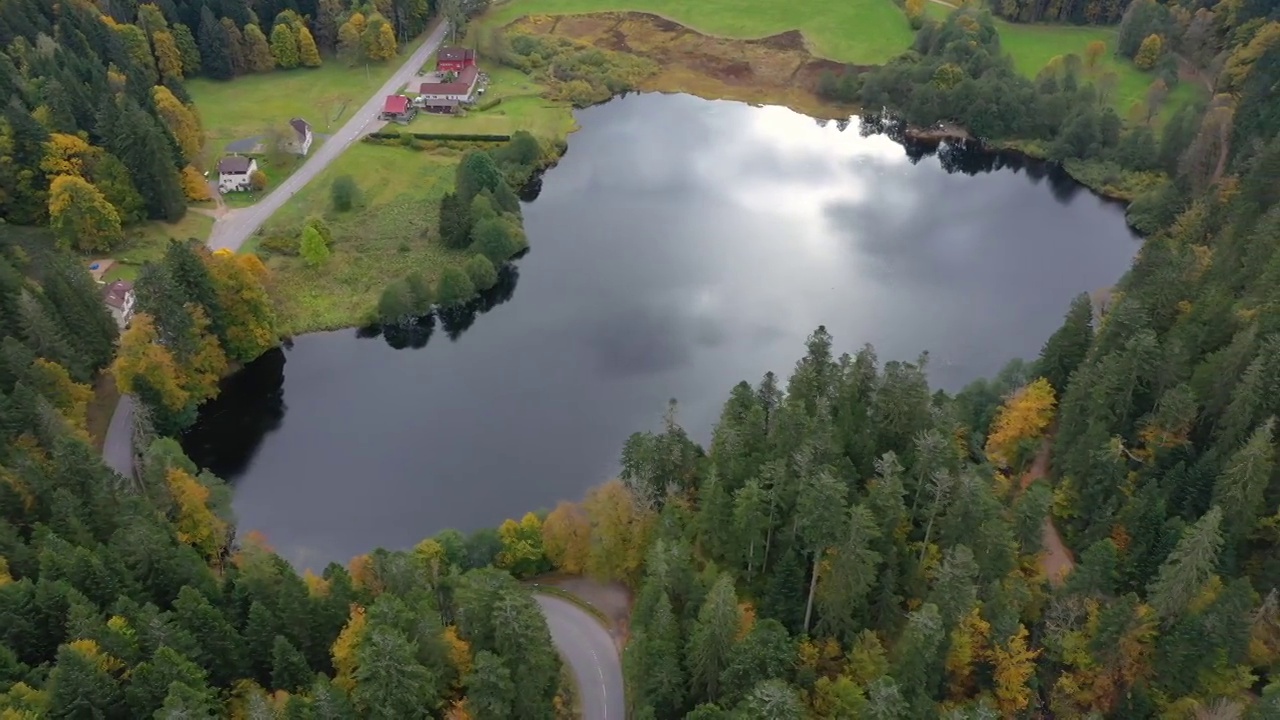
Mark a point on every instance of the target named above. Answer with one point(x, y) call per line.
point(396, 104)
point(115, 293)
point(234, 165)
point(454, 54)
point(450, 103)
point(300, 126)
point(462, 86)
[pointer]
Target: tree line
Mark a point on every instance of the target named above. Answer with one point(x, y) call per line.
point(480, 218)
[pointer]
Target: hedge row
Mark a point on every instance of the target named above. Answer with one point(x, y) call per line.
point(462, 137)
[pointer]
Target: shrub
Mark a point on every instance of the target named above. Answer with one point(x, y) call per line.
point(280, 245)
point(493, 238)
point(344, 193)
point(482, 272)
point(455, 287)
point(313, 248)
point(257, 181)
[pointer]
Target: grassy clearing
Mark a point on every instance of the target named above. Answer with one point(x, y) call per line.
point(390, 233)
point(146, 242)
point(253, 104)
point(522, 108)
point(1033, 46)
point(856, 31)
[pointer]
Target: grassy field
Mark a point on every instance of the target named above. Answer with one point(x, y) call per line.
point(147, 242)
point(250, 105)
point(856, 31)
point(1033, 46)
point(522, 108)
point(389, 234)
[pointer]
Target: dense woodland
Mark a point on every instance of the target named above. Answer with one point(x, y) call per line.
point(850, 544)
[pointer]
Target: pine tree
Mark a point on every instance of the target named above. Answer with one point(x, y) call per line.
point(237, 49)
point(289, 669)
point(1066, 348)
point(188, 50)
point(820, 516)
point(1188, 567)
point(713, 639)
point(1240, 488)
point(490, 690)
point(258, 54)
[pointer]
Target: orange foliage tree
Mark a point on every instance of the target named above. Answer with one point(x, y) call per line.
point(619, 532)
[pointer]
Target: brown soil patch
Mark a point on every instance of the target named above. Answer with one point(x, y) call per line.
point(778, 69)
point(1055, 559)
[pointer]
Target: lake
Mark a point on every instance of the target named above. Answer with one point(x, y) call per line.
point(680, 246)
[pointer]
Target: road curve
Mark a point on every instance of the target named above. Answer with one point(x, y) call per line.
point(589, 650)
point(231, 230)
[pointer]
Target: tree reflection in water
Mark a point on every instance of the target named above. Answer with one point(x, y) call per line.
point(454, 320)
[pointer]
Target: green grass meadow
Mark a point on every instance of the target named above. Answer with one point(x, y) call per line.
point(391, 232)
point(250, 105)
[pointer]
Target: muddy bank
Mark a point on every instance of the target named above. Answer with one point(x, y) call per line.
point(775, 70)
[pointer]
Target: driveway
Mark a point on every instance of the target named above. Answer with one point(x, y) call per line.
point(117, 448)
point(232, 229)
point(589, 650)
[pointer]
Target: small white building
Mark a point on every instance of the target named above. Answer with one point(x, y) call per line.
point(234, 172)
point(299, 141)
point(119, 299)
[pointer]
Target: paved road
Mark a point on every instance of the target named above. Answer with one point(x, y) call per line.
point(585, 644)
point(117, 448)
point(235, 227)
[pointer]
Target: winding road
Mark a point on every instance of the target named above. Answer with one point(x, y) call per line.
point(588, 648)
point(235, 227)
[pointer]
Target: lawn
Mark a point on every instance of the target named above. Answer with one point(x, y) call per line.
point(390, 233)
point(1033, 46)
point(856, 31)
point(250, 105)
point(146, 242)
point(522, 108)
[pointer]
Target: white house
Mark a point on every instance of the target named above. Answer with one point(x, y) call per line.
point(299, 141)
point(234, 172)
point(119, 299)
point(461, 90)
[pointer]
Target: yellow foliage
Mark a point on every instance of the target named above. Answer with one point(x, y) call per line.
point(66, 155)
point(118, 624)
point(317, 586)
point(240, 283)
point(344, 649)
point(80, 215)
point(1014, 666)
point(89, 649)
point(362, 576)
point(1241, 62)
point(521, 544)
point(914, 8)
point(194, 186)
point(459, 653)
point(969, 644)
point(181, 121)
point(432, 554)
point(196, 524)
point(1024, 417)
point(71, 398)
point(141, 356)
point(566, 538)
point(619, 532)
point(5, 577)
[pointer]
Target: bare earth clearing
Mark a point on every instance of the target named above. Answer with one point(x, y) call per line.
point(1055, 559)
point(778, 69)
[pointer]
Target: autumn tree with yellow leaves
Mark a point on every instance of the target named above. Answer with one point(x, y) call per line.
point(81, 217)
point(1020, 423)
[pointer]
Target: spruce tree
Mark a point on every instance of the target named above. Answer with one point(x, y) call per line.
point(289, 669)
point(215, 53)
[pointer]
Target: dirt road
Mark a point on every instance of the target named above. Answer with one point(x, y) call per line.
point(1055, 558)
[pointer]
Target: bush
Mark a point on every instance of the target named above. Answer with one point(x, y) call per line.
point(493, 238)
point(344, 193)
point(455, 287)
point(257, 181)
point(280, 245)
point(482, 272)
point(313, 247)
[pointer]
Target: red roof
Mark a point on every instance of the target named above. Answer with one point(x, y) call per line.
point(397, 104)
point(466, 80)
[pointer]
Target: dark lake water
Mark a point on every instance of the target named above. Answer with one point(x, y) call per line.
point(680, 246)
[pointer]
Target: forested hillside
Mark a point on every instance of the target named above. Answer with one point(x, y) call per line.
point(125, 598)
